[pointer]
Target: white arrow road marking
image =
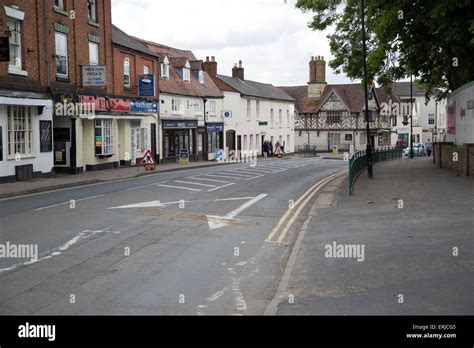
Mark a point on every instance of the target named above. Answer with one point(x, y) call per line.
point(59, 250)
point(216, 222)
point(158, 204)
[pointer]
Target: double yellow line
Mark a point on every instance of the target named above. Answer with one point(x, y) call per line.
point(299, 205)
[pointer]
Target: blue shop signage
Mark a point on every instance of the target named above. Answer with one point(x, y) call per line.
point(146, 85)
point(215, 127)
point(145, 107)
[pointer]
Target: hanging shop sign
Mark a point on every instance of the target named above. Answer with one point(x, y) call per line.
point(146, 85)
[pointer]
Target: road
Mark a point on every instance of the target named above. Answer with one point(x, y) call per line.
point(194, 242)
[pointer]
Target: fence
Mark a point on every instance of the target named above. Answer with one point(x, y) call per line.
point(358, 162)
point(307, 151)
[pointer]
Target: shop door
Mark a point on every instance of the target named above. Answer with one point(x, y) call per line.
point(230, 140)
point(134, 144)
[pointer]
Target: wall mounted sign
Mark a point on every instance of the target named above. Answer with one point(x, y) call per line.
point(46, 136)
point(107, 104)
point(145, 107)
point(179, 124)
point(227, 114)
point(94, 76)
point(146, 85)
point(348, 137)
point(215, 127)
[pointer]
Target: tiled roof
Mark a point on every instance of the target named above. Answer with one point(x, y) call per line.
point(175, 84)
point(196, 64)
point(255, 89)
point(403, 89)
point(121, 38)
point(351, 94)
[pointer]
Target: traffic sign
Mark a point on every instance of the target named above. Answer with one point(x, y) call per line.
point(148, 159)
point(278, 153)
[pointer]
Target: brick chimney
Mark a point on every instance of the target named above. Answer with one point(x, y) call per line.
point(238, 71)
point(210, 66)
point(317, 77)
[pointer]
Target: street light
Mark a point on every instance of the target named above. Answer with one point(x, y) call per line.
point(364, 52)
point(411, 116)
point(206, 141)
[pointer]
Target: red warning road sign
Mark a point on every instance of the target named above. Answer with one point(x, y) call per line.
point(148, 159)
point(278, 152)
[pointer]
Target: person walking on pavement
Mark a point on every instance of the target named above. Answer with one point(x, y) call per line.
point(429, 147)
point(265, 149)
point(270, 145)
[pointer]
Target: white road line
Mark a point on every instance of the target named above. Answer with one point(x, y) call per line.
point(180, 188)
point(237, 174)
point(69, 202)
point(254, 171)
point(222, 176)
point(194, 183)
point(255, 177)
point(140, 187)
point(220, 187)
point(210, 180)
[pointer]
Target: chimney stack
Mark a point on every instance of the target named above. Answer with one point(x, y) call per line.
point(317, 70)
point(238, 71)
point(210, 66)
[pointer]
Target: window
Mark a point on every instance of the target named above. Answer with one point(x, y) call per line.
point(93, 53)
point(175, 105)
point(198, 108)
point(333, 115)
point(126, 73)
point(146, 69)
point(20, 131)
point(92, 10)
point(15, 43)
point(165, 70)
point(249, 108)
point(61, 55)
point(251, 142)
point(333, 98)
point(59, 4)
point(394, 120)
point(280, 118)
point(186, 74)
point(334, 139)
point(201, 76)
point(288, 118)
point(431, 119)
point(257, 108)
point(212, 107)
point(104, 138)
point(272, 117)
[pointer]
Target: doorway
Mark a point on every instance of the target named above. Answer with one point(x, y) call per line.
point(230, 140)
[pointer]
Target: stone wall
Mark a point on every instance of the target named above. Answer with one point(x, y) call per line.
point(460, 160)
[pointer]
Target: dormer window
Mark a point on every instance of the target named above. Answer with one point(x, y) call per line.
point(201, 76)
point(187, 74)
point(165, 68)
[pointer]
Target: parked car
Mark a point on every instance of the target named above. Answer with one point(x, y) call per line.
point(418, 150)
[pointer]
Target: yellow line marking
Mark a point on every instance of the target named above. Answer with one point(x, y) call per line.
point(312, 191)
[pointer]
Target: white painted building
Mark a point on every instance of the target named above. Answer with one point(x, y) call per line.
point(26, 133)
point(253, 112)
point(460, 111)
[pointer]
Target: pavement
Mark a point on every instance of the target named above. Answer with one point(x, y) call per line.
point(192, 242)
point(61, 181)
point(416, 226)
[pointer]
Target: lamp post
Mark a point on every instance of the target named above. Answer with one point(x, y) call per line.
point(206, 137)
point(411, 116)
point(364, 53)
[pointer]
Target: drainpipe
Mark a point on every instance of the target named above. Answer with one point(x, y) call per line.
point(46, 37)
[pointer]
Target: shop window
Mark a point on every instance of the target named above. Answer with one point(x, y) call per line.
point(61, 55)
point(214, 141)
point(20, 131)
point(104, 137)
point(334, 139)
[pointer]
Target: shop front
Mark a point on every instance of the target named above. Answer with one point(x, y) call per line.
point(179, 136)
point(215, 139)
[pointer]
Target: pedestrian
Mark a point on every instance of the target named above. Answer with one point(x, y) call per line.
point(429, 147)
point(265, 149)
point(282, 147)
point(270, 146)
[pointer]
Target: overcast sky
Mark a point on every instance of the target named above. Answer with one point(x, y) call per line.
point(271, 37)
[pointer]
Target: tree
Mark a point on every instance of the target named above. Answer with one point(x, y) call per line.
point(432, 40)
